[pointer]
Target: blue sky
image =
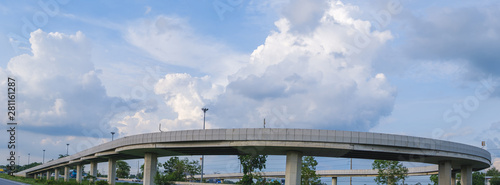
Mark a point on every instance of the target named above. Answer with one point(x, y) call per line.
point(86, 68)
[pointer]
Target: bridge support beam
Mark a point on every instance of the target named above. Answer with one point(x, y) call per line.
point(453, 178)
point(150, 162)
point(79, 173)
point(66, 173)
point(93, 168)
point(48, 175)
point(56, 174)
point(293, 168)
point(111, 171)
point(466, 175)
point(444, 173)
point(334, 180)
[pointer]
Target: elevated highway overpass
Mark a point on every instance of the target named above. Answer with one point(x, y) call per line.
point(294, 143)
point(413, 171)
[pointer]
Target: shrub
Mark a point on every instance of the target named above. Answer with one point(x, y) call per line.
point(101, 183)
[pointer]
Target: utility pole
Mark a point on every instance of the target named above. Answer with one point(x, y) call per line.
point(203, 156)
point(350, 178)
point(67, 146)
point(264, 122)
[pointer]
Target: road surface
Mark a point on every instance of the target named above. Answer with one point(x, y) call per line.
point(9, 182)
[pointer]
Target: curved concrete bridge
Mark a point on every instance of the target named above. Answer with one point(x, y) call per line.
point(294, 143)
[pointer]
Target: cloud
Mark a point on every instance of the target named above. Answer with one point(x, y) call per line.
point(59, 91)
point(305, 15)
point(171, 40)
point(310, 80)
point(320, 77)
point(468, 35)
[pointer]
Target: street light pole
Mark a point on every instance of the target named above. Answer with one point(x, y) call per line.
point(204, 112)
point(43, 161)
point(203, 156)
point(28, 158)
point(67, 146)
point(112, 136)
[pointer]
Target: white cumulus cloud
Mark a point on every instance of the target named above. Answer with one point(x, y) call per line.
point(58, 88)
point(315, 78)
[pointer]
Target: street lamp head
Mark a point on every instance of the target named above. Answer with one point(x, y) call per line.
point(112, 132)
point(204, 109)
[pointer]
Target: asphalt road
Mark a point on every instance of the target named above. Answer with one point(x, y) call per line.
point(9, 182)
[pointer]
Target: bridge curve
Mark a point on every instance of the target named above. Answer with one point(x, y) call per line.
point(272, 141)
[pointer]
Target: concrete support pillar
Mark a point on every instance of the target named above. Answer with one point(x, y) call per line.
point(444, 173)
point(466, 175)
point(453, 178)
point(150, 162)
point(34, 176)
point(48, 175)
point(56, 174)
point(79, 173)
point(334, 180)
point(111, 171)
point(293, 168)
point(66, 173)
point(93, 168)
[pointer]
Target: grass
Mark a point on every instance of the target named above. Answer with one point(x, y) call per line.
point(50, 182)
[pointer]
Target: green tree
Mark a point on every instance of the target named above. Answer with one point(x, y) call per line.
point(478, 178)
point(308, 174)
point(389, 172)
point(62, 155)
point(123, 169)
point(434, 178)
point(250, 163)
point(142, 171)
point(90, 178)
point(495, 180)
point(492, 172)
point(177, 170)
point(24, 167)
